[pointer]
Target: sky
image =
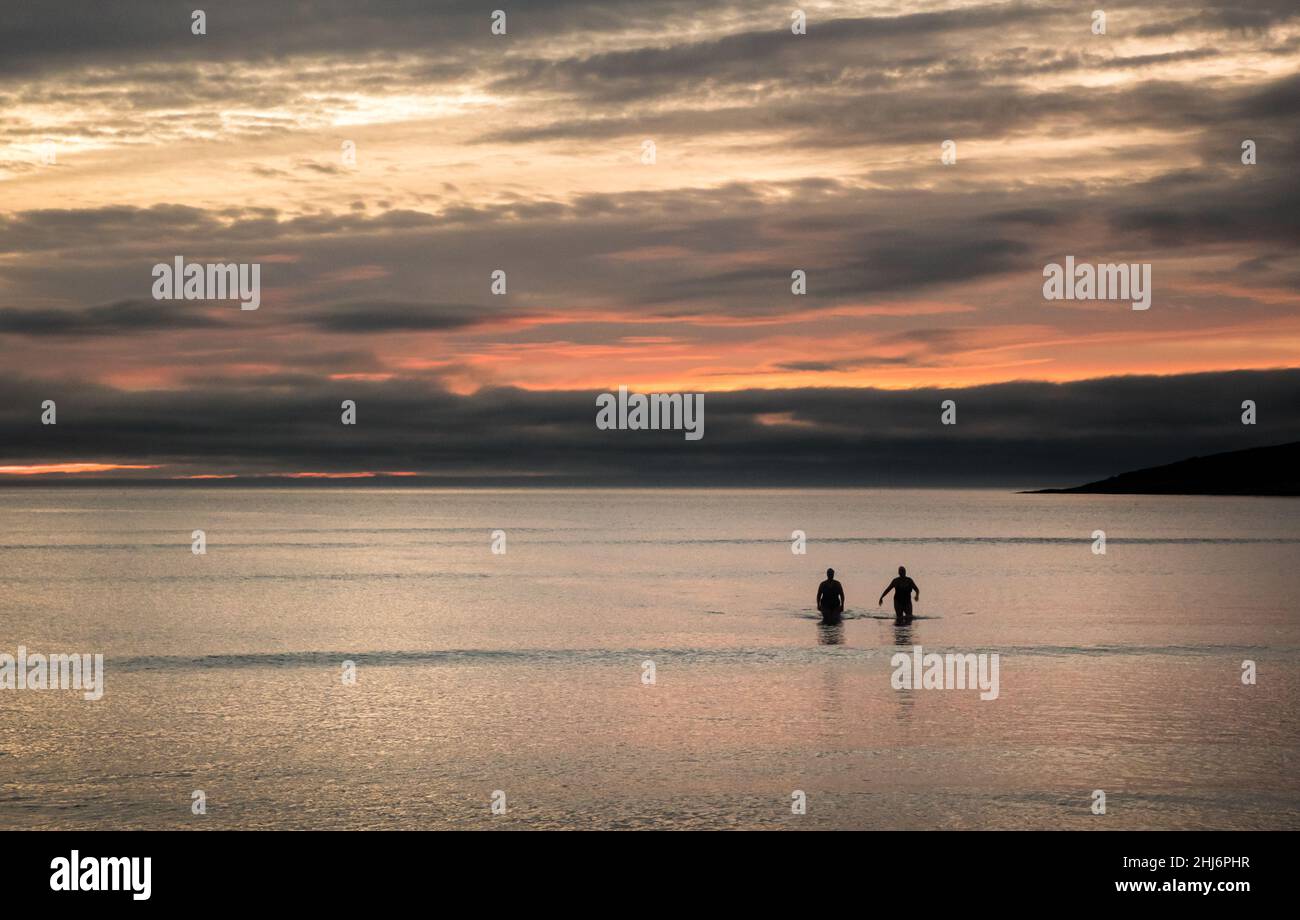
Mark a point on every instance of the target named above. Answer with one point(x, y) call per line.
point(126, 141)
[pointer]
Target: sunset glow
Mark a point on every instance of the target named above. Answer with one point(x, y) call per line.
point(380, 173)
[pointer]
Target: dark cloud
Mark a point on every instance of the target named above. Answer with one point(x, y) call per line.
point(396, 317)
point(1246, 15)
point(90, 227)
point(758, 55)
point(39, 37)
point(845, 364)
point(1012, 434)
point(123, 317)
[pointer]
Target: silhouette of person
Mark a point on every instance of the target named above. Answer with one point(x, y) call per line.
point(830, 597)
point(902, 586)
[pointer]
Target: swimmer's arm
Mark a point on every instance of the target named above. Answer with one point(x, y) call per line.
point(917, 589)
point(884, 592)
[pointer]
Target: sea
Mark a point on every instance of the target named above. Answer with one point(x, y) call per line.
point(410, 658)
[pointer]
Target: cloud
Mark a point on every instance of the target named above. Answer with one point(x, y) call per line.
point(123, 317)
point(777, 152)
point(370, 318)
point(1016, 434)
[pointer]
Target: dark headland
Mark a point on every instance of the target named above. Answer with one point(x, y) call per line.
point(1256, 471)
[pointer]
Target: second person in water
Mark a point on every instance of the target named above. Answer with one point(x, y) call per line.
point(903, 588)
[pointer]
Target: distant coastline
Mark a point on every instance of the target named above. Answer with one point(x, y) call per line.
point(1263, 471)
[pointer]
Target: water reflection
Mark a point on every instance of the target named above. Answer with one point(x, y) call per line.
point(905, 638)
point(830, 707)
point(830, 632)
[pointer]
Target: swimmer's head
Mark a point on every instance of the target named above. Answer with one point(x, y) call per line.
point(902, 570)
point(830, 573)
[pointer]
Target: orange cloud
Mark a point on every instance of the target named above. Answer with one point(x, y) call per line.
point(41, 469)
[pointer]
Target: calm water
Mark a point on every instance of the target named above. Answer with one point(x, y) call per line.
point(522, 672)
